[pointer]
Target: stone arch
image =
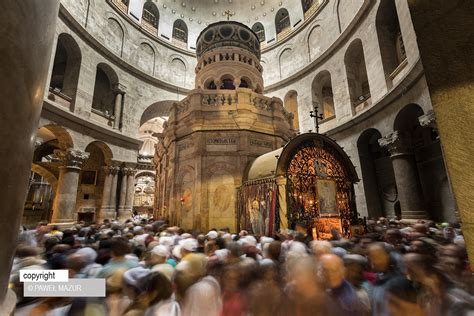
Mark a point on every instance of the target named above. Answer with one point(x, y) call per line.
point(66, 68)
point(146, 58)
point(377, 175)
point(284, 58)
point(178, 70)
point(312, 38)
point(106, 151)
point(145, 173)
point(246, 82)
point(45, 173)
point(105, 90)
point(322, 94)
point(390, 38)
point(291, 105)
point(227, 81)
point(356, 71)
point(116, 36)
point(157, 109)
point(63, 136)
point(259, 30)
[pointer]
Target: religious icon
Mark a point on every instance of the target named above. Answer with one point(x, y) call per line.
point(327, 197)
point(256, 218)
point(326, 227)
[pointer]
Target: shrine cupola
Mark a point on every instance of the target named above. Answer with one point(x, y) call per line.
point(228, 57)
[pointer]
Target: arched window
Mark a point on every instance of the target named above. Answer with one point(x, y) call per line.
point(180, 31)
point(390, 38)
point(244, 84)
point(306, 4)
point(228, 84)
point(282, 20)
point(356, 70)
point(260, 31)
point(151, 14)
point(103, 101)
point(66, 67)
point(322, 94)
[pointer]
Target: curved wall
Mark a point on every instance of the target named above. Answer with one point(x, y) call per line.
point(150, 70)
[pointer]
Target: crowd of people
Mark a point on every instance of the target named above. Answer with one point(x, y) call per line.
point(151, 268)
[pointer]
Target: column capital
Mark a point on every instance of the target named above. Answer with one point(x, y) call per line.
point(428, 120)
point(397, 143)
point(111, 170)
point(120, 88)
point(72, 157)
point(129, 171)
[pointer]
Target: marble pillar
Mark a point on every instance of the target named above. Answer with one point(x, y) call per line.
point(130, 190)
point(409, 189)
point(123, 191)
point(106, 210)
point(113, 193)
point(118, 110)
point(64, 204)
point(27, 31)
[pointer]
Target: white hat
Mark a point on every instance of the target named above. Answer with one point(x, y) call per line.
point(133, 276)
point(161, 251)
point(249, 240)
point(166, 241)
point(136, 229)
point(189, 244)
point(186, 235)
point(89, 253)
point(212, 234)
point(222, 253)
point(177, 251)
point(265, 240)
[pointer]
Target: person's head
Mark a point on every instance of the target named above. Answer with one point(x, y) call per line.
point(23, 251)
point(188, 245)
point(134, 281)
point(119, 247)
point(320, 247)
point(157, 288)
point(355, 266)
point(379, 257)
point(333, 270)
point(274, 250)
point(75, 263)
point(402, 298)
point(159, 254)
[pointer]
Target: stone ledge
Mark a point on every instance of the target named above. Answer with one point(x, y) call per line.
point(76, 123)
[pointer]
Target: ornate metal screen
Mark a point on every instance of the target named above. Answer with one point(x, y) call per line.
point(318, 185)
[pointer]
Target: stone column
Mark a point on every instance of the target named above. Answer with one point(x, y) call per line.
point(27, 29)
point(113, 193)
point(120, 90)
point(130, 193)
point(449, 73)
point(105, 209)
point(409, 190)
point(64, 205)
point(123, 191)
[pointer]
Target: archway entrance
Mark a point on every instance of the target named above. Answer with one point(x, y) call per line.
point(310, 181)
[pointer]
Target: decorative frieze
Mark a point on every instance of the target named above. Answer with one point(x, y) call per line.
point(219, 99)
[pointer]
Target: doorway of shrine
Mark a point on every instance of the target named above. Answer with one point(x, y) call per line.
point(310, 181)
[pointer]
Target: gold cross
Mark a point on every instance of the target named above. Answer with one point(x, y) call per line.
point(228, 13)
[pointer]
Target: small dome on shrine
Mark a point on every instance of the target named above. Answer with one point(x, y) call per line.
point(230, 34)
